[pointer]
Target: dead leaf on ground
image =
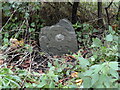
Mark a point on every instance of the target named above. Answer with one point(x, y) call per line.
point(114, 26)
point(74, 74)
point(25, 65)
point(13, 40)
point(40, 71)
point(1, 61)
point(28, 61)
point(15, 43)
point(79, 81)
point(1, 51)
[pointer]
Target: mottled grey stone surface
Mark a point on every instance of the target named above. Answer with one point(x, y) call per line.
point(58, 39)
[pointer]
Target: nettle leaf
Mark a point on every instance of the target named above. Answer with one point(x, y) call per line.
point(95, 78)
point(83, 62)
point(87, 82)
point(88, 73)
point(94, 66)
point(102, 79)
point(109, 37)
point(105, 70)
point(98, 69)
point(42, 84)
point(107, 82)
point(113, 65)
point(96, 42)
point(52, 84)
point(114, 73)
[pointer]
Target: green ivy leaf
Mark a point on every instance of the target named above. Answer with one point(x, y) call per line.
point(33, 24)
point(31, 29)
point(6, 41)
point(83, 62)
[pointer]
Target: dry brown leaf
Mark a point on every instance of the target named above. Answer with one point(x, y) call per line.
point(114, 26)
point(74, 74)
point(79, 81)
point(1, 52)
point(15, 43)
point(13, 40)
point(21, 42)
point(40, 71)
point(25, 65)
point(1, 61)
point(27, 61)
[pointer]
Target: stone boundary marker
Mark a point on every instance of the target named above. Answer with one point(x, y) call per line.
point(58, 39)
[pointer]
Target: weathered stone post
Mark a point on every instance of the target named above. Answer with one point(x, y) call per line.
point(58, 39)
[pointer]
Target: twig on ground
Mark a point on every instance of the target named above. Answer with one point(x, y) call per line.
point(21, 61)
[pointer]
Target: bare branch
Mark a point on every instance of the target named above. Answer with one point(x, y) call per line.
point(107, 13)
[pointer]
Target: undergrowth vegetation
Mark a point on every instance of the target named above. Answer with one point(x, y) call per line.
point(24, 65)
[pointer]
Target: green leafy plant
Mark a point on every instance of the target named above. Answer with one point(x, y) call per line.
point(97, 70)
point(8, 79)
point(101, 76)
